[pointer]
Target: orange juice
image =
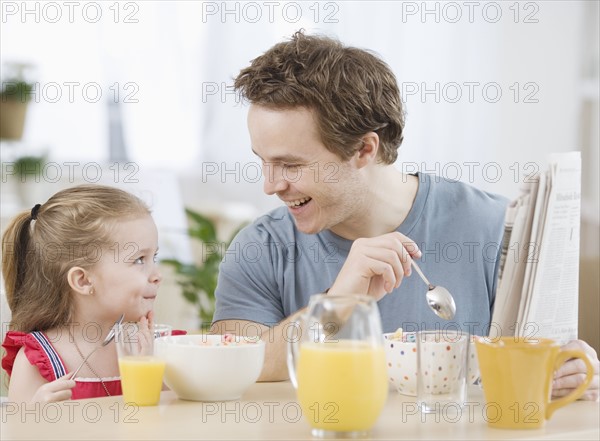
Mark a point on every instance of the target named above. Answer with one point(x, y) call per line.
point(141, 379)
point(342, 386)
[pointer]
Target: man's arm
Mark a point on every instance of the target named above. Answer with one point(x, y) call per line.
point(275, 367)
point(374, 266)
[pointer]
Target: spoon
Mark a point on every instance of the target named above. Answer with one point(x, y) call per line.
point(439, 298)
point(110, 337)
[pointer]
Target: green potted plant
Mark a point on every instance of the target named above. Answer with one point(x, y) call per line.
point(199, 280)
point(27, 175)
point(15, 94)
point(28, 168)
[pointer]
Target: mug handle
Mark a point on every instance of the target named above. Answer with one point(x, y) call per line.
point(561, 358)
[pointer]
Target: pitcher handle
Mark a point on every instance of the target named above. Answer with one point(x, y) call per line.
point(293, 348)
point(561, 358)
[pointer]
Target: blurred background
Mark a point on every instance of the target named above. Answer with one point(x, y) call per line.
point(138, 94)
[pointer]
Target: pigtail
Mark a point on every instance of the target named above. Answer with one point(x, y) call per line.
point(15, 244)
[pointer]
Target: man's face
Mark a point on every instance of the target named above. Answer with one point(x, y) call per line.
point(320, 190)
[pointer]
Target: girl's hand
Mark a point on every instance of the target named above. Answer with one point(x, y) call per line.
point(57, 390)
point(146, 334)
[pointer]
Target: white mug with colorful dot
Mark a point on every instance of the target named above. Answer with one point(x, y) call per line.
point(442, 363)
point(401, 359)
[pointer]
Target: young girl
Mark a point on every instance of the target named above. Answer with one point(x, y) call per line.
point(71, 267)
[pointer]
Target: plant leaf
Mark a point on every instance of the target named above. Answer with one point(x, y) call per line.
point(199, 281)
point(202, 227)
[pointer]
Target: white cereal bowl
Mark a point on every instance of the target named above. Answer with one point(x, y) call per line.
point(401, 359)
point(202, 368)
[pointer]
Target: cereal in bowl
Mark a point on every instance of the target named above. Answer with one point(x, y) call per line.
point(230, 340)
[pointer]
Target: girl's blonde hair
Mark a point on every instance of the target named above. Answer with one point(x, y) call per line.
point(73, 228)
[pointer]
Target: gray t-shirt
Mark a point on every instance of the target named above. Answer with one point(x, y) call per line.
point(271, 269)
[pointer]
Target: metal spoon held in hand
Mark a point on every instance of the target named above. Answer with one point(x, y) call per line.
point(110, 337)
point(438, 298)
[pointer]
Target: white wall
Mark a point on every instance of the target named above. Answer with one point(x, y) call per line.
point(177, 52)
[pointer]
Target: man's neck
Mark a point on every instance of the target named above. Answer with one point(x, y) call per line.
point(389, 199)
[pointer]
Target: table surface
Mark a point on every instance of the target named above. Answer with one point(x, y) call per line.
point(268, 411)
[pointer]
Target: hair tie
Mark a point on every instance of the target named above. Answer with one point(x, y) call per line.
point(34, 211)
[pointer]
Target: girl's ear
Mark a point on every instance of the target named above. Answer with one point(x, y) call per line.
point(79, 281)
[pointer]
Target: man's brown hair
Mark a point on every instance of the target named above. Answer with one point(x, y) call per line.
point(351, 91)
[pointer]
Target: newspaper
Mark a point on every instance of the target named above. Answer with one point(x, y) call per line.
point(538, 287)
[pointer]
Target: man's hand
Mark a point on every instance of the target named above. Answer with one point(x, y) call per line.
point(376, 265)
point(572, 373)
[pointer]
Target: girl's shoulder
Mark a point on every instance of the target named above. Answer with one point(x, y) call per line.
point(12, 344)
point(39, 351)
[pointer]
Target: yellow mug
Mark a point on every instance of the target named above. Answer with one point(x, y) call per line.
point(516, 374)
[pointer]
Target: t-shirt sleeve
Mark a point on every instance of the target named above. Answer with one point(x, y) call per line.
point(247, 287)
point(14, 341)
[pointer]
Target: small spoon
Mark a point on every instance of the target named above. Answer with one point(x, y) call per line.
point(438, 298)
point(110, 337)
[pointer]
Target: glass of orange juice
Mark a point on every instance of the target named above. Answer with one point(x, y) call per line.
point(141, 371)
point(336, 362)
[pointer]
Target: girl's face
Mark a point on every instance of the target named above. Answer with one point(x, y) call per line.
point(126, 278)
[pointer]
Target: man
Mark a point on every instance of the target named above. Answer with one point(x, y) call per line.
point(326, 122)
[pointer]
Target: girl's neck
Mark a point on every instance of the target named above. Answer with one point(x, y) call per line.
point(87, 330)
point(75, 340)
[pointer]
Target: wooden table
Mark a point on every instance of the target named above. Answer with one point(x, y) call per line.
point(267, 411)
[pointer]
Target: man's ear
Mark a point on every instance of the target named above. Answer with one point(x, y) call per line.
point(79, 281)
point(367, 154)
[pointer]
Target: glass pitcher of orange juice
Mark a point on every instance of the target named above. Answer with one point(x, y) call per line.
point(337, 365)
